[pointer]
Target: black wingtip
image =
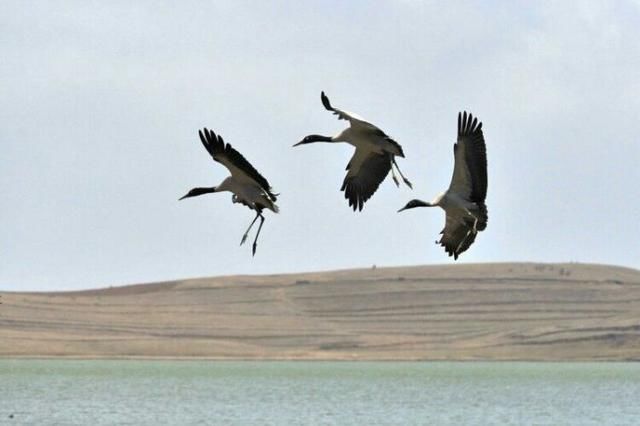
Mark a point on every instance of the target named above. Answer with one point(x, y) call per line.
point(325, 101)
point(468, 124)
point(206, 135)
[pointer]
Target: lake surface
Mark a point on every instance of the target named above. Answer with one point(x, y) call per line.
point(42, 392)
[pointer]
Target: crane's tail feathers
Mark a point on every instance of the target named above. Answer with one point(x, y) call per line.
point(273, 207)
point(483, 217)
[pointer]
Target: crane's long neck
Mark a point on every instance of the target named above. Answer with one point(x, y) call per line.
point(417, 203)
point(320, 138)
point(315, 138)
point(199, 191)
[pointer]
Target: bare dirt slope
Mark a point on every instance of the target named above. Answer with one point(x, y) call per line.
point(461, 312)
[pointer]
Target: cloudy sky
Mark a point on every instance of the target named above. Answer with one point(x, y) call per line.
point(100, 104)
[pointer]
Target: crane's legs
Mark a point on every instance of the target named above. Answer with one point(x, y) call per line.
point(469, 233)
point(395, 179)
point(255, 241)
point(475, 220)
point(406, 181)
point(244, 237)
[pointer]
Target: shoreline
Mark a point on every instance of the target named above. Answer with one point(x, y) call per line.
point(313, 360)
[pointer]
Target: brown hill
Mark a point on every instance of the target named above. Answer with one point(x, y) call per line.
point(513, 311)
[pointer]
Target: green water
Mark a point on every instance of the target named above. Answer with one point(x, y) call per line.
point(317, 393)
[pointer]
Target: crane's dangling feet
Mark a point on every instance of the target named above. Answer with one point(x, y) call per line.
point(406, 181)
point(246, 233)
point(395, 178)
point(255, 241)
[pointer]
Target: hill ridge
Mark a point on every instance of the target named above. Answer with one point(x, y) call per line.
point(515, 311)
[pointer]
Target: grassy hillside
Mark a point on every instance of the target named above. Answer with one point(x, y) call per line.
point(457, 312)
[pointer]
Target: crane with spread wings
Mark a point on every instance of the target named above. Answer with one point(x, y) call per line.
point(372, 160)
point(464, 201)
point(247, 185)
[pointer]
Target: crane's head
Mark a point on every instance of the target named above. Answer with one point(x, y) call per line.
point(198, 191)
point(314, 138)
point(415, 203)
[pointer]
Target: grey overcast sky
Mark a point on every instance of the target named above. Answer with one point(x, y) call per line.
point(101, 102)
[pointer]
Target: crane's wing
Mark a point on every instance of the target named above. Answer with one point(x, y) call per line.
point(239, 167)
point(357, 122)
point(458, 234)
point(343, 115)
point(365, 171)
point(470, 168)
